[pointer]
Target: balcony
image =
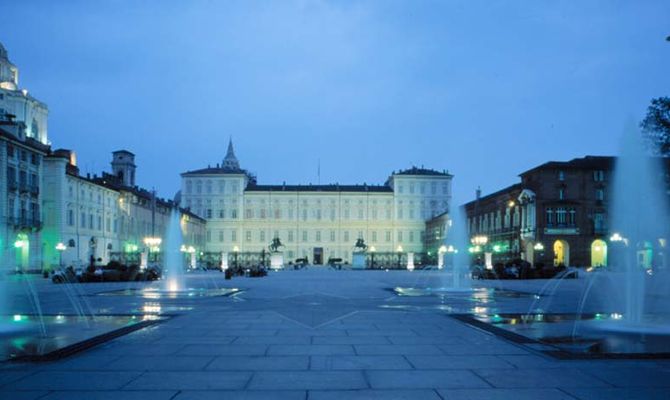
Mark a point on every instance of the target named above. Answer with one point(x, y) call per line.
point(561, 229)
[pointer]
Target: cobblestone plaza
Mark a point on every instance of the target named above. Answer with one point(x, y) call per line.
point(321, 334)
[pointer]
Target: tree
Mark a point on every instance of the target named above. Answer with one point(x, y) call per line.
point(656, 125)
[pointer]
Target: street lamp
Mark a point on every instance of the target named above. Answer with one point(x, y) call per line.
point(152, 244)
point(61, 248)
point(480, 240)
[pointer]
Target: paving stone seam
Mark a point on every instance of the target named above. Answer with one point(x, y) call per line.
point(336, 319)
point(366, 378)
point(408, 361)
point(248, 382)
point(481, 377)
point(506, 362)
point(48, 392)
point(133, 380)
point(19, 378)
point(569, 394)
point(292, 320)
point(204, 367)
point(596, 377)
point(437, 392)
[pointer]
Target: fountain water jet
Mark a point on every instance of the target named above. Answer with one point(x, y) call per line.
point(638, 281)
point(173, 259)
point(457, 243)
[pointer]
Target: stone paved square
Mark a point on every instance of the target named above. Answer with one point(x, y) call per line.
point(255, 345)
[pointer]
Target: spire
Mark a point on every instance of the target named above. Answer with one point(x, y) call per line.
point(230, 161)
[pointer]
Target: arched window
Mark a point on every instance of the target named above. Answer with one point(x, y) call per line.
point(35, 128)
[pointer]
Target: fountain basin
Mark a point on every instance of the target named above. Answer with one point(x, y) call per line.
point(475, 293)
point(578, 336)
point(161, 293)
point(63, 335)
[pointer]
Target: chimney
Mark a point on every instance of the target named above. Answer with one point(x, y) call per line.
point(478, 193)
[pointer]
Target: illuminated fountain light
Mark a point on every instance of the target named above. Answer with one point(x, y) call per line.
point(173, 285)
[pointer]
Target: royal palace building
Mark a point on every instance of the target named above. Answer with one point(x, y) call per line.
point(317, 222)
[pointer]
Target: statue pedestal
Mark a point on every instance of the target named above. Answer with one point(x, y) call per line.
point(224, 261)
point(276, 261)
point(410, 261)
point(144, 260)
point(358, 261)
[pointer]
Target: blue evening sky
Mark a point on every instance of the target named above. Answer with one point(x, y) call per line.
point(484, 89)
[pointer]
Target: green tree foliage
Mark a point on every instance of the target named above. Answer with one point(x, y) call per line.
point(656, 125)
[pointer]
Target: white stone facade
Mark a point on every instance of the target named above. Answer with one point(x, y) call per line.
point(102, 217)
point(20, 190)
point(23, 144)
point(314, 221)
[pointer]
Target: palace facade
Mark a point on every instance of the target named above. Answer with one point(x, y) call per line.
point(317, 222)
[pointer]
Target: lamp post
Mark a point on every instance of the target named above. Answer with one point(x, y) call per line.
point(61, 248)
point(480, 241)
point(540, 248)
point(152, 244)
point(399, 250)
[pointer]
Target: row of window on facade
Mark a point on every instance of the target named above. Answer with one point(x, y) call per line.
point(90, 197)
point(317, 236)
point(318, 215)
point(495, 221)
point(560, 216)
point(208, 187)
point(95, 222)
point(422, 188)
point(233, 187)
point(27, 210)
point(14, 154)
point(25, 178)
point(599, 194)
point(598, 176)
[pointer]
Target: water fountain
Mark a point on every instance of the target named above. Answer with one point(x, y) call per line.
point(624, 311)
point(457, 243)
point(173, 259)
point(636, 287)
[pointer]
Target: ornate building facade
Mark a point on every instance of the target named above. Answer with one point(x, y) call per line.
point(556, 215)
point(317, 222)
point(105, 217)
point(23, 145)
